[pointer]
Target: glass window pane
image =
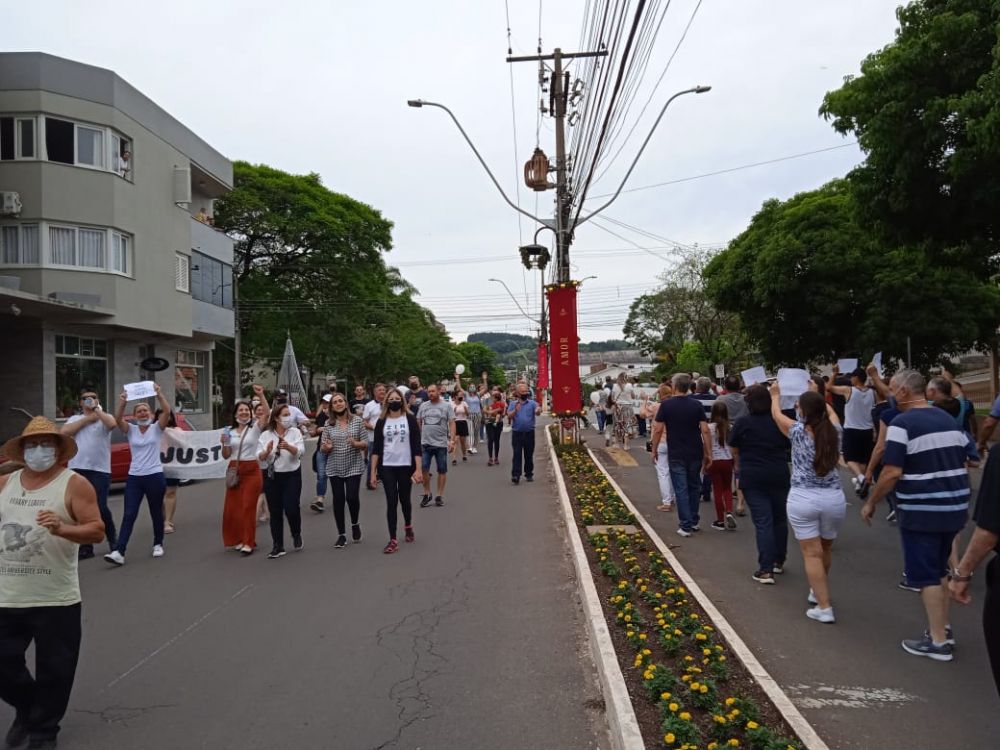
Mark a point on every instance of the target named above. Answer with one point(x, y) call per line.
point(190, 386)
point(6, 137)
point(59, 140)
point(100, 348)
point(73, 374)
point(8, 245)
point(71, 345)
point(91, 248)
point(29, 243)
point(26, 136)
point(89, 146)
point(59, 344)
point(227, 286)
point(62, 246)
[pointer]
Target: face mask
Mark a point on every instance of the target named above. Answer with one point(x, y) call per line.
point(89, 403)
point(395, 405)
point(243, 420)
point(524, 396)
point(40, 457)
point(143, 422)
point(287, 422)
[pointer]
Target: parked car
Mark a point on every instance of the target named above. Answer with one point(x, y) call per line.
point(121, 454)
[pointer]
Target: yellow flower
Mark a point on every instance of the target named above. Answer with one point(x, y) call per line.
point(734, 743)
point(706, 652)
point(719, 719)
point(642, 636)
point(735, 712)
point(704, 689)
point(684, 716)
point(753, 725)
point(673, 707)
point(646, 652)
point(730, 701)
point(669, 738)
point(695, 685)
point(664, 696)
point(628, 618)
point(700, 637)
point(712, 745)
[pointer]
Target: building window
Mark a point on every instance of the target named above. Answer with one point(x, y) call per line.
point(211, 280)
point(59, 140)
point(26, 138)
point(17, 138)
point(182, 273)
point(89, 146)
point(191, 383)
point(6, 138)
point(121, 259)
point(62, 246)
point(80, 363)
point(19, 244)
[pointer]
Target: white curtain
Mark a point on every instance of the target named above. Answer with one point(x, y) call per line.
point(8, 241)
point(62, 246)
point(92, 248)
point(29, 243)
point(119, 253)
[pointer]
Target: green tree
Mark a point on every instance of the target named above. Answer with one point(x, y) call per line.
point(926, 111)
point(481, 358)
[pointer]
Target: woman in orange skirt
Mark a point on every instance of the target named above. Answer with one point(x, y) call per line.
point(239, 445)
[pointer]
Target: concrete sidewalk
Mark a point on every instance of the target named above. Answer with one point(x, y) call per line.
point(470, 638)
point(851, 680)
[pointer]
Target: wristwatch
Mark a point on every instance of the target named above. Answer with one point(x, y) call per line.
point(959, 578)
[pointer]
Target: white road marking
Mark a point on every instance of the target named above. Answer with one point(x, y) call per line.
point(841, 696)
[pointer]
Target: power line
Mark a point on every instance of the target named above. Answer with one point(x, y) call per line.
point(517, 181)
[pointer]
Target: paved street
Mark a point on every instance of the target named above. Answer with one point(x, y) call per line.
point(469, 638)
point(852, 679)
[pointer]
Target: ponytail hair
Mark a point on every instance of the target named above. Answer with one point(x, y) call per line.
point(720, 418)
point(824, 433)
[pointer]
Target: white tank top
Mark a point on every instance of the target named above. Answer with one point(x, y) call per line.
point(37, 568)
point(858, 410)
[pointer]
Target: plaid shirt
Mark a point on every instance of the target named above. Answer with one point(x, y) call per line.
point(345, 460)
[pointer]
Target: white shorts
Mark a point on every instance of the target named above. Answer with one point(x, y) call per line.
point(816, 512)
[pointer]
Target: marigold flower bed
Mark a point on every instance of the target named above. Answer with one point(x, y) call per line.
point(688, 690)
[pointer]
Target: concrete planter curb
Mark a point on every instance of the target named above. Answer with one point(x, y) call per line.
point(799, 724)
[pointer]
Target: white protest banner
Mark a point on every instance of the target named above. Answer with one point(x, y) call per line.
point(793, 382)
point(847, 366)
point(197, 454)
point(140, 390)
point(754, 375)
point(720, 371)
point(877, 361)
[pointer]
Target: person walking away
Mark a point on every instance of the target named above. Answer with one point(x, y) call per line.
point(600, 409)
point(370, 415)
point(91, 429)
point(926, 456)
point(816, 502)
point(398, 455)
point(475, 404)
point(493, 417)
point(720, 472)
point(344, 442)
point(46, 511)
point(658, 448)
point(623, 396)
point(281, 446)
point(437, 438)
point(522, 415)
point(609, 411)
point(244, 481)
point(736, 406)
point(760, 454)
point(703, 392)
point(883, 418)
point(171, 483)
point(145, 474)
point(689, 449)
point(859, 439)
point(461, 410)
point(319, 457)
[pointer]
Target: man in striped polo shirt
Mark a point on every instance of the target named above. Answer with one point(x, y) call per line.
point(926, 458)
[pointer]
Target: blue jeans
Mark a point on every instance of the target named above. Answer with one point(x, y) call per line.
point(685, 475)
point(319, 464)
point(600, 419)
point(438, 454)
point(767, 509)
point(101, 482)
point(152, 487)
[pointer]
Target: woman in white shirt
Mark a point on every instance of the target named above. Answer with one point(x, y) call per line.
point(397, 453)
point(461, 426)
point(145, 473)
point(280, 448)
point(239, 446)
point(623, 395)
point(721, 469)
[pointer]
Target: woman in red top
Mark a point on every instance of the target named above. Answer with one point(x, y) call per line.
point(493, 413)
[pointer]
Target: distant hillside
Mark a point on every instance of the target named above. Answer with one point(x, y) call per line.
point(504, 343)
point(611, 345)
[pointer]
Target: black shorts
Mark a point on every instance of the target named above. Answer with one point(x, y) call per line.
point(461, 428)
point(858, 445)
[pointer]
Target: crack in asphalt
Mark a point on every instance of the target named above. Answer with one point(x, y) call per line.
point(122, 714)
point(413, 636)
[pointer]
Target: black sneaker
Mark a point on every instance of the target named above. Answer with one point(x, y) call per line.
point(764, 577)
point(46, 744)
point(425, 501)
point(341, 542)
point(85, 552)
point(862, 489)
point(356, 532)
point(275, 553)
point(926, 647)
point(515, 480)
point(905, 585)
point(317, 506)
point(718, 525)
point(297, 542)
point(529, 479)
point(17, 735)
point(949, 635)
point(439, 501)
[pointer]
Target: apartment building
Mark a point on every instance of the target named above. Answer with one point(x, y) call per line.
point(107, 253)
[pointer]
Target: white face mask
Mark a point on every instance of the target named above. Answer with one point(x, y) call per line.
point(287, 422)
point(142, 422)
point(40, 457)
point(243, 420)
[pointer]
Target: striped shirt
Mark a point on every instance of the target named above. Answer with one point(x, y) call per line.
point(933, 492)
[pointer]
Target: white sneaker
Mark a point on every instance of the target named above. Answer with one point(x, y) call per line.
point(812, 598)
point(821, 615)
point(115, 558)
point(157, 550)
point(473, 451)
point(682, 532)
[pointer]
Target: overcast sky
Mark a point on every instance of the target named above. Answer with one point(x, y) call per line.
point(322, 87)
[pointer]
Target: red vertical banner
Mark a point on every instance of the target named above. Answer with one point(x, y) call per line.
point(565, 345)
point(543, 365)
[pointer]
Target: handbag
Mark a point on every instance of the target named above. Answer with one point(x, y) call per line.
point(233, 472)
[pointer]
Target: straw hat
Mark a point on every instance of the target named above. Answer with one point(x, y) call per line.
point(13, 449)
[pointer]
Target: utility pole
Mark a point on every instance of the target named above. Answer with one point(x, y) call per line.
point(238, 384)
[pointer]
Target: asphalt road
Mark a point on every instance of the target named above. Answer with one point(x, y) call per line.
point(470, 638)
point(851, 680)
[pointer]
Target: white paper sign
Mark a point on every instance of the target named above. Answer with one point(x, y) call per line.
point(877, 361)
point(197, 454)
point(595, 398)
point(142, 389)
point(754, 375)
point(720, 371)
point(847, 365)
point(793, 382)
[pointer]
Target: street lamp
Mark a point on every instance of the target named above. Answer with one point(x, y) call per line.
point(585, 278)
point(523, 312)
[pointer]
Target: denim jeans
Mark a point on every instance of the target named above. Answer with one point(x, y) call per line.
point(101, 482)
point(523, 444)
point(641, 426)
point(686, 477)
point(319, 465)
point(767, 509)
point(153, 487)
point(600, 419)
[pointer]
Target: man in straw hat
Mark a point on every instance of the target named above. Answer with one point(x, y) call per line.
point(46, 511)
